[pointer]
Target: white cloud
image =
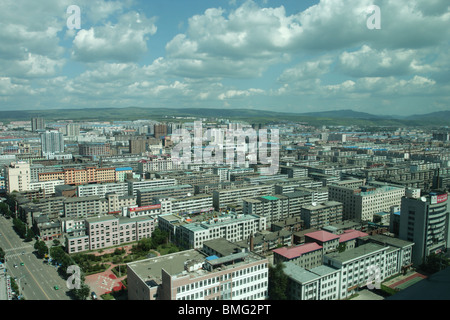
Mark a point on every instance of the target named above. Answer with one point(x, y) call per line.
point(307, 70)
point(368, 62)
point(230, 94)
point(125, 41)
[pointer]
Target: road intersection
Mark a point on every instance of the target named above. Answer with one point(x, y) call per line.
point(36, 279)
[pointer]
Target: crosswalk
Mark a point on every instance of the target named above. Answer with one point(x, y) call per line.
point(19, 251)
point(18, 248)
point(16, 254)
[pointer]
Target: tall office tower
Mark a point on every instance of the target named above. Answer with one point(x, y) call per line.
point(37, 124)
point(73, 129)
point(160, 130)
point(52, 142)
point(17, 177)
point(425, 221)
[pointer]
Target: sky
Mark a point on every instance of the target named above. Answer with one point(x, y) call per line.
point(288, 56)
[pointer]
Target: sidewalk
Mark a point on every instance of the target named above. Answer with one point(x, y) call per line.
point(104, 282)
point(107, 281)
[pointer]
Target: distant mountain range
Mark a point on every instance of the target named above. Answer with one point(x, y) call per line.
point(337, 117)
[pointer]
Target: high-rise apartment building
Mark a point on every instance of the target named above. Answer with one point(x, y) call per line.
point(37, 124)
point(160, 130)
point(73, 129)
point(17, 176)
point(52, 142)
point(425, 221)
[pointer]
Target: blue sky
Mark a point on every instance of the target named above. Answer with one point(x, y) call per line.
point(292, 55)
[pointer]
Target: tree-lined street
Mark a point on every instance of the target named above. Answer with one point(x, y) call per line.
point(36, 279)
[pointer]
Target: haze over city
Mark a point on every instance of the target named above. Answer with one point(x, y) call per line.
point(295, 56)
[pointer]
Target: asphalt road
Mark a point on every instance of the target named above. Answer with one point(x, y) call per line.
point(36, 279)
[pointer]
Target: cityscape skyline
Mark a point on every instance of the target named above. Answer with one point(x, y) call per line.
point(289, 56)
point(341, 206)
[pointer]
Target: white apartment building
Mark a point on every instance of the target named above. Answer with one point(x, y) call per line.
point(101, 189)
point(359, 265)
point(192, 275)
point(234, 196)
point(319, 283)
point(363, 202)
point(47, 186)
point(84, 207)
point(191, 234)
point(107, 231)
point(157, 164)
point(186, 205)
point(273, 207)
point(17, 177)
point(341, 273)
point(95, 205)
point(136, 211)
point(115, 202)
point(135, 185)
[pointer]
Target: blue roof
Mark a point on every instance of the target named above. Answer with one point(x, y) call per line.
point(212, 258)
point(124, 169)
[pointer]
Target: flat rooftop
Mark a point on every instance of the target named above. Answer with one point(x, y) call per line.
point(149, 270)
point(299, 274)
point(355, 253)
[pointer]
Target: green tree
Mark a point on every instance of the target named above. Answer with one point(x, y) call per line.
point(278, 282)
point(41, 248)
point(82, 293)
point(159, 237)
point(20, 227)
point(434, 263)
point(2, 255)
point(29, 235)
point(341, 247)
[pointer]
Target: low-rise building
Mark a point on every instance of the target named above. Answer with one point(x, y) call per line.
point(193, 232)
point(308, 255)
point(107, 231)
point(319, 283)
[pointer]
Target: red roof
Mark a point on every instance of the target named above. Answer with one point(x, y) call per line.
point(351, 234)
point(322, 236)
point(294, 252)
point(144, 208)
